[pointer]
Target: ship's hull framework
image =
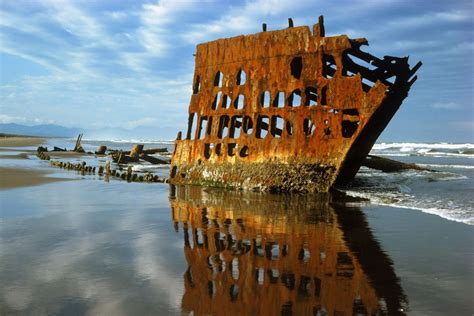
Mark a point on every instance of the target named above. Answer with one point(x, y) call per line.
point(287, 110)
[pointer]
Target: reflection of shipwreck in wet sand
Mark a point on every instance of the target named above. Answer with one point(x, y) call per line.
point(251, 254)
point(286, 110)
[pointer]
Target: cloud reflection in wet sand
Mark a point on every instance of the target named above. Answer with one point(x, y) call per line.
point(74, 258)
point(213, 252)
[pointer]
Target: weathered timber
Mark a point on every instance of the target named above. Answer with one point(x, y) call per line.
point(101, 150)
point(286, 110)
point(389, 165)
point(155, 151)
point(153, 160)
point(150, 151)
point(107, 167)
point(78, 148)
point(138, 153)
point(59, 149)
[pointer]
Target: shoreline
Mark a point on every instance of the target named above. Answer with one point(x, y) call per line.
point(22, 177)
point(21, 141)
point(16, 177)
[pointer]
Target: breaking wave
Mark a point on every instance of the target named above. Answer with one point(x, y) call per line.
point(424, 149)
point(443, 193)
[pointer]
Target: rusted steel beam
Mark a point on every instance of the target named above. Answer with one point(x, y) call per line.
point(286, 110)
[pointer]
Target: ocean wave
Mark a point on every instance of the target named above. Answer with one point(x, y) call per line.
point(412, 146)
point(132, 141)
point(148, 168)
point(443, 192)
point(408, 175)
point(438, 150)
point(446, 166)
point(453, 212)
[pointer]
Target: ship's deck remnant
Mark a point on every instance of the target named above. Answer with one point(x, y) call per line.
point(286, 110)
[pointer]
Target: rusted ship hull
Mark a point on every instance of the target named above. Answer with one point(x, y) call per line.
point(287, 110)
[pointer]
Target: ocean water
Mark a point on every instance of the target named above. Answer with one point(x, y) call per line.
point(447, 191)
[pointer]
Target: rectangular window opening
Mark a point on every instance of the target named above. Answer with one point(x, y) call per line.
point(191, 126)
point(329, 66)
point(235, 126)
point(279, 101)
point(265, 99)
point(202, 124)
point(223, 126)
point(277, 126)
point(262, 127)
point(311, 96)
point(247, 125)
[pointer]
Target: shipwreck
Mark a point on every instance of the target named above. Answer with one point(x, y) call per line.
point(286, 110)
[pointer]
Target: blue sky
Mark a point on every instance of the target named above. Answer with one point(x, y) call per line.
point(104, 63)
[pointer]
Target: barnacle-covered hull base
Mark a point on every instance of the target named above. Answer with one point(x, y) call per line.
point(286, 110)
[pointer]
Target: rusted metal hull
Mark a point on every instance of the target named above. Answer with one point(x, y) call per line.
point(287, 110)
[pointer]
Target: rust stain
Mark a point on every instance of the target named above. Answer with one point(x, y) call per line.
point(286, 110)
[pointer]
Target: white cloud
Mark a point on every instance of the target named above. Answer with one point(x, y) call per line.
point(430, 18)
point(106, 63)
point(146, 121)
point(154, 32)
point(240, 19)
point(116, 15)
point(445, 106)
point(6, 119)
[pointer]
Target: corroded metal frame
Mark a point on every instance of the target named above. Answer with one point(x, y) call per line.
point(286, 110)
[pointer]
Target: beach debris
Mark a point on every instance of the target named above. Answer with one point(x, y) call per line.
point(286, 110)
point(389, 165)
point(153, 160)
point(128, 175)
point(78, 148)
point(101, 150)
point(138, 153)
point(59, 149)
point(41, 153)
point(80, 166)
point(107, 167)
point(135, 155)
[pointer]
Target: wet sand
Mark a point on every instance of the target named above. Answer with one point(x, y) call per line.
point(16, 141)
point(14, 177)
point(77, 246)
point(67, 154)
point(17, 177)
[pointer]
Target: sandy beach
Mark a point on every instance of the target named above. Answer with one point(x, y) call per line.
point(16, 177)
point(15, 141)
point(75, 246)
point(12, 177)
